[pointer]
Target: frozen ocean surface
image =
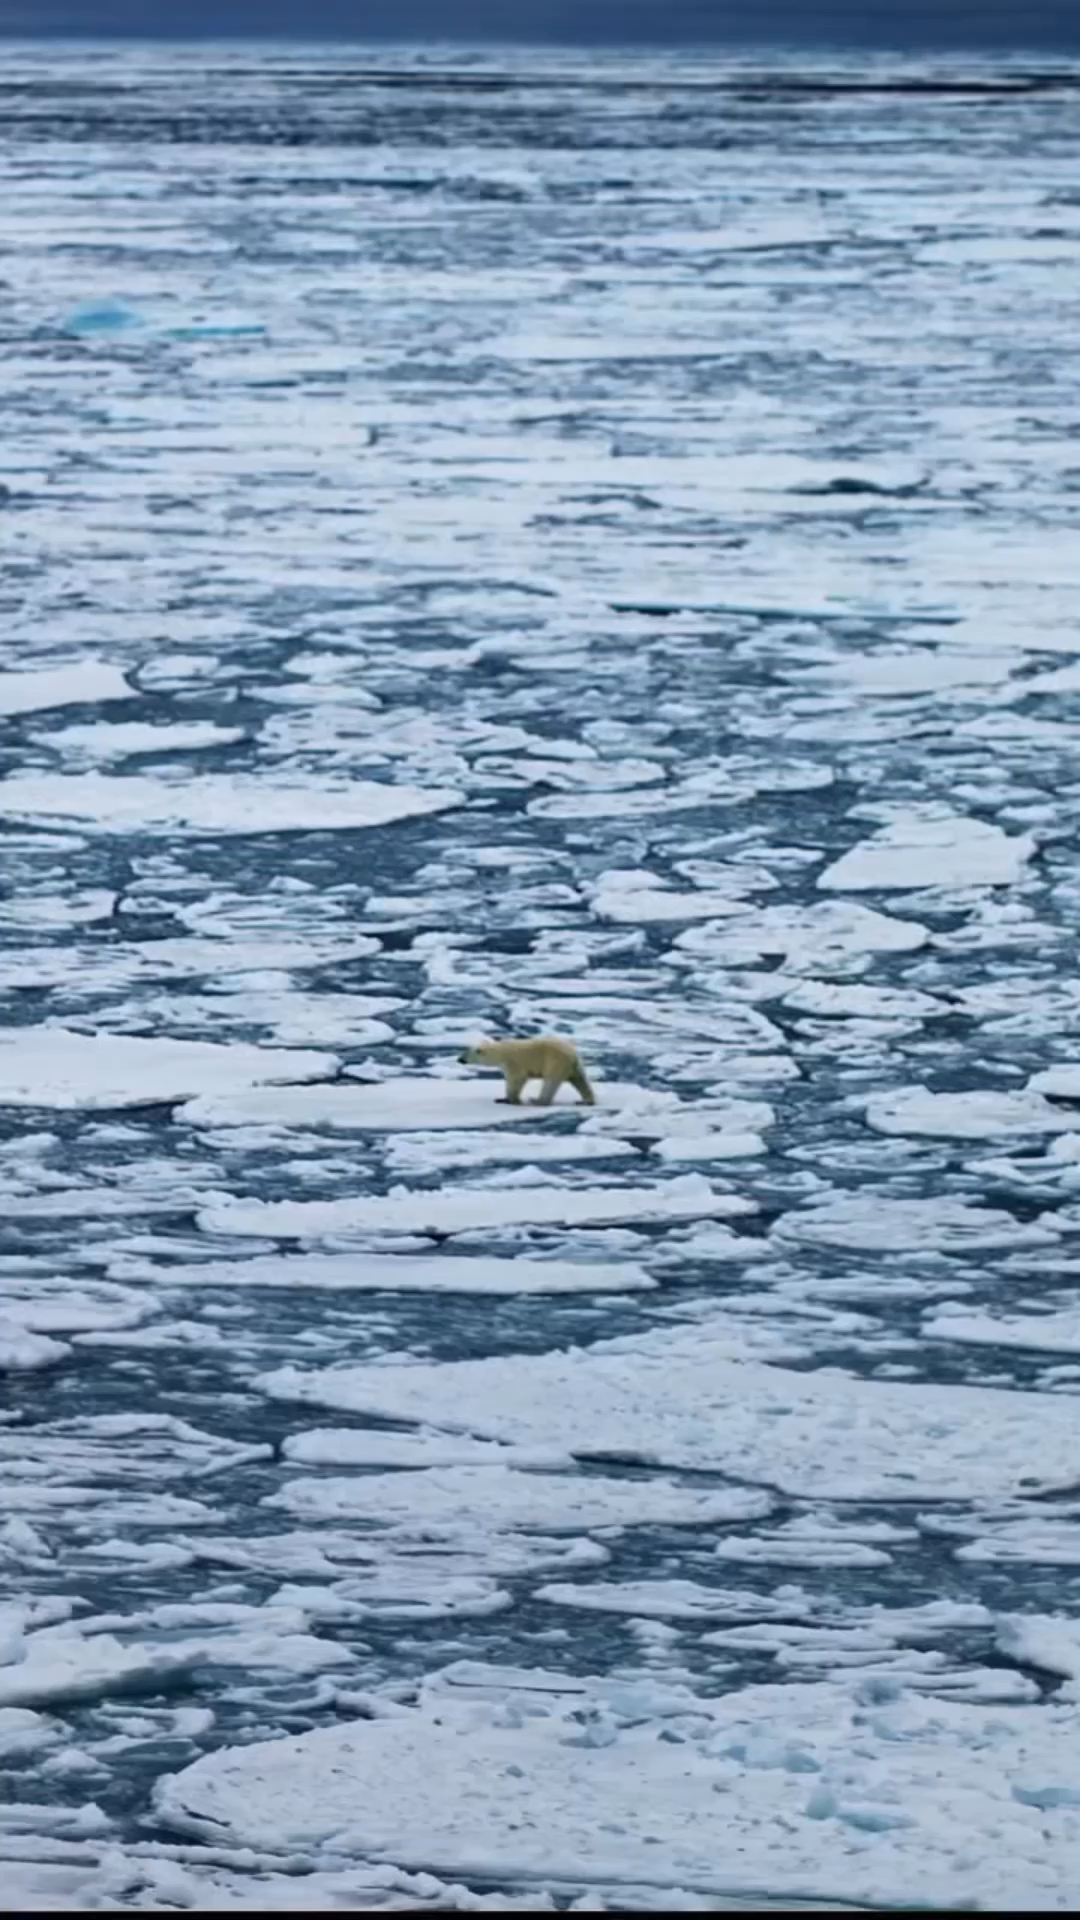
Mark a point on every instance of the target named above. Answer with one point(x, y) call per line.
point(498, 543)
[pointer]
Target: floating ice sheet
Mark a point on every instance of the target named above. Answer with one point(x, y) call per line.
point(398, 1273)
point(83, 683)
point(460, 1500)
point(982, 1115)
point(804, 1791)
point(810, 939)
point(944, 1225)
point(681, 1400)
point(451, 1210)
point(212, 803)
point(412, 1102)
point(52, 1067)
point(923, 849)
point(1052, 1332)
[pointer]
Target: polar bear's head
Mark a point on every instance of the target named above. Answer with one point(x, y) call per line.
point(482, 1053)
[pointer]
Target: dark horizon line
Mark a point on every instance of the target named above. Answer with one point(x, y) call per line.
point(478, 41)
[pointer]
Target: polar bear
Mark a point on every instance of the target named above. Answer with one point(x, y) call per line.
point(548, 1059)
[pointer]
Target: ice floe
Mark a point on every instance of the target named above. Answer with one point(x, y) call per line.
point(54, 1067)
point(362, 1272)
point(809, 939)
point(472, 1209)
point(413, 1102)
point(82, 683)
point(1057, 1330)
point(213, 803)
point(872, 1220)
point(924, 849)
point(686, 1400)
point(802, 1791)
point(461, 1500)
point(979, 1115)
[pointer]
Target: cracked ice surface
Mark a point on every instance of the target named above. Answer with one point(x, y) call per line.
point(484, 557)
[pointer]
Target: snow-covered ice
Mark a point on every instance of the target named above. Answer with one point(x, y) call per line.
point(684, 1400)
point(52, 1067)
point(397, 1273)
point(804, 1791)
point(918, 850)
point(472, 1210)
point(211, 803)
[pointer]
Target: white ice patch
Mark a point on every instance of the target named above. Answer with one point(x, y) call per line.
point(84, 683)
point(411, 1103)
point(680, 1400)
point(862, 1003)
point(97, 1471)
point(1062, 1081)
point(1052, 1643)
point(922, 849)
point(24, 1352)
point(423, 1153)
point(822, 1794)
point(60, 1667)
point(1051, 1332)
point(980, 1115)
point(471, 1210)
point(103, 741)
point(397, 1273)
point(872, 1220)
point(636, 899)
point(40, 1303)
point(461, 1500)
point(811, 939)
point(212, 803)
point(52, 1067)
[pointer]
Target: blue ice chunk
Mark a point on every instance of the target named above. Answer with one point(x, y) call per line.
point(821, 1804)
point(1046, 1797)
point(105, 316)
point(873, 1819)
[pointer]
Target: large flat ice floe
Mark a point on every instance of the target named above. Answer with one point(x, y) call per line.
point(806, 1791)
point(924, 849)
point(212, 803)
point(680, 1400)
point(809, 939)
point(53, 1067)
point(871, 1220)
point(84, 683)
point(453, 1210)
point(397, 1273)
point(985, 1114)
point(410, 1102)
point(463, 1500)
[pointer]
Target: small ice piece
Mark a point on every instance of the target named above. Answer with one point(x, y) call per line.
point(944, 1225)
point(452, 1501)
point(53, 1067)
point(432, 1272)
point(1054, 1332)
point(83, 683)
point(451, 1210)
point(981, 1115)
point(926, 849)
point(102, 317)
point(24, 1352)
point(221, 803)
point(412, 1103)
